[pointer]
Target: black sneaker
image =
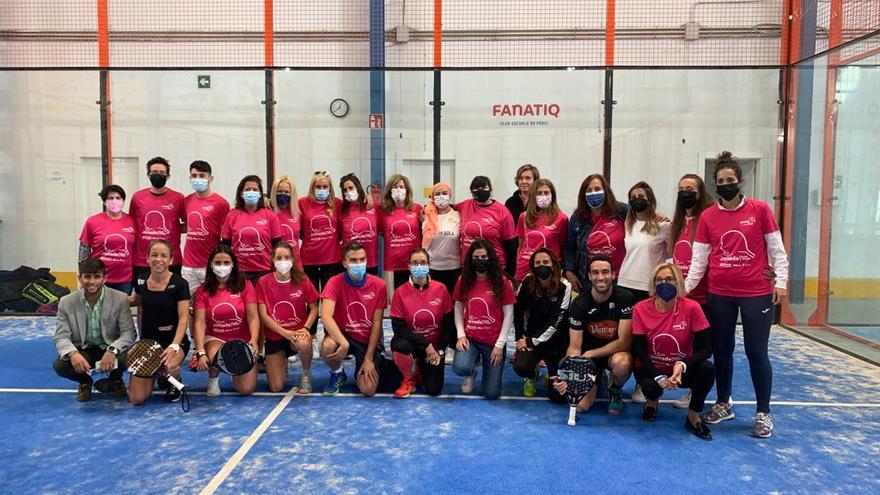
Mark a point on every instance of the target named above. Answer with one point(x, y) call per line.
point(104, 385)
point(162, 384)
point(172, 394)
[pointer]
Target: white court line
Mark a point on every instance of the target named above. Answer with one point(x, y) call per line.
point(249, 442)
point(870, 405)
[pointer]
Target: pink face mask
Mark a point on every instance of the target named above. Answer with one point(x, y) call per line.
point(114, 205)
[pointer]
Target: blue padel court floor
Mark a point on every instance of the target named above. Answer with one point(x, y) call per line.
point(826, 406)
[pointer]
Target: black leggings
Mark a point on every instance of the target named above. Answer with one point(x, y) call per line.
point(525, 362)
point(698, 378)
point(400, 277)
point(447, 278)
point(432, 376)
point(319, 275)
point(757, 318)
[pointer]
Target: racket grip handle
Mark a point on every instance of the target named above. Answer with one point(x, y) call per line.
point(173, 381)
point(571, 415)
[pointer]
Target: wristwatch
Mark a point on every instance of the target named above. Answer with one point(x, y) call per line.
point(201, 353)
point(175, 347)
point(112, 349)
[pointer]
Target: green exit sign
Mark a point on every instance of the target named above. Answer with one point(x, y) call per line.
point(204, 82)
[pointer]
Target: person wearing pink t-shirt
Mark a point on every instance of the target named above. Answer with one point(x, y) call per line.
point(541, 225)
point(735, 239)
point(158, 213)
point(352, 308)
point(224, 308)
point(484, 218)
point(359, 220)
point(110, 236)
point(205, 214)
point(672, 347)
point(283, 201)
point(422, 321)
point(400, 226)
point(288, 305)
point(484, 301)
point(251, 229)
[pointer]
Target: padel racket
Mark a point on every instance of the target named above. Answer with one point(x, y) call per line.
point(579, 375)
point(235, 357)
point(145, 361)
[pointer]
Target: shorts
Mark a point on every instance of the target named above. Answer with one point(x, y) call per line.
point(194, 277)
point(359, 351)
point(273, 346)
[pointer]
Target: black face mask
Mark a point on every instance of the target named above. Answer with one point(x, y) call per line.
point(481, 195)
point(687, 199)
point(638, 204)
point(727, 191)
point(481, 266)
point(544, 272)
point(158, 180)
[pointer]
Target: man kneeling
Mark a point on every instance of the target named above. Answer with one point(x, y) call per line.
point(93, 331)
point(352, 308)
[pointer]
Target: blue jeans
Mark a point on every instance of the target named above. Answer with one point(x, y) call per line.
point(463, 365)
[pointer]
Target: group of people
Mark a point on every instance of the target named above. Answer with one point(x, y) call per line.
point(621, 283)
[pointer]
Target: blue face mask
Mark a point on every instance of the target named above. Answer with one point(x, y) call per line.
point(199, 185)
point(357, 270)
point(322, 194)
point(595, 199)
point(283, 199)
point(665, 291)
point(419, 271)
point(251, 197)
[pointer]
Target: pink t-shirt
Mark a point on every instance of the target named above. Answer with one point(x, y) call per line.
point(483, 310)
point(286, 303)
point(541, 235)
point(204, 219)
point(422, 310)
point(607, 238)
point(738, 254)
point(157, 216)
point(681, 256)
point(251, 234)
point(112, 241)
point(401, 233)
point(290, 228)
point(670, 334)
point(355, 306)
point(320, 235)
point(225, 312)
point(491, 223)
point(362, 226)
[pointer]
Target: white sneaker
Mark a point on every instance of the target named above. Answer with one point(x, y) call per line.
point(449, 355)
point(213, 387)
point(467, 385)
point(637, 396)
point(683, 402)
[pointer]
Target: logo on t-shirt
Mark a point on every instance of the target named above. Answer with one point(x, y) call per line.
point(285, 315)
point(401, 232)
point(605, 329)
point(292, 234)
point(225, 317)
point(154, 223)
point(473, 231)
point(249, 242)
point(600, 243)
point(735, 251)
point(424, 323)
point(321, 227)
point(478, 312)
point(195, 224)
point(748, 221)
point(115, 247)
point(665, 349)
point(434, 302)
point(366, 233)
point(535, 240)
point(681, 255)
point(358, 319)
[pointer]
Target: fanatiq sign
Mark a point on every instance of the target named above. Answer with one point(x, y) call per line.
point(524, 115)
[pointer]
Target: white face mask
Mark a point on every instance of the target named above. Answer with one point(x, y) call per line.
point(543, 201)
point(222, 271)
point(441, 201)
point(352, 196)
point(283, 267)
point(398, 194)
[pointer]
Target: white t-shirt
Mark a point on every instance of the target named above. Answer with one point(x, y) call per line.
point(643, 253)
point(444, 248)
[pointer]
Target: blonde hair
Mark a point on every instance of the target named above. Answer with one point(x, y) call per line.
point(273, 193)
point(387, 202)
point(528, 167)
point(331, 200)
point(679, 279)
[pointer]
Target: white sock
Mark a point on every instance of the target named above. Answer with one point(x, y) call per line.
point(339, 370)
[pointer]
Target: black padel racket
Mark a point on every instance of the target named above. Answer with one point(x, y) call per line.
point(235, 357)
point(579, 375)
point(145, 361)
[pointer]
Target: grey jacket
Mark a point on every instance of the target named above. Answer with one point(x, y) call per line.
point(117, 325)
